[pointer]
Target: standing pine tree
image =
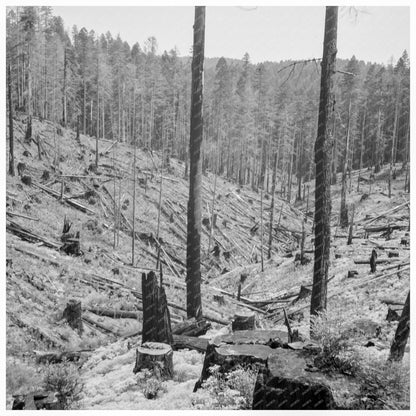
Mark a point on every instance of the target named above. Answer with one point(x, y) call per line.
point(322, 163)
point(193, 247)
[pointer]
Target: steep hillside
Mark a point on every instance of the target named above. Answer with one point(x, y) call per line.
point(41, 278)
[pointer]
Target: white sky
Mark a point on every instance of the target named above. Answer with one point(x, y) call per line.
point(376, 34)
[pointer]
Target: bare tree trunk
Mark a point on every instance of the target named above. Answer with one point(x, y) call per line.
point(11, 136)
point(98, 113)
point(64, 90)
point(193, 247)
point(323, 167)
point(261, 229)
point(334, 153)
point(134, 178)
point(378, 144)
point(362, 147)
point(269, 254)
point(393, 141)
point(402, 333)
point(344, 210)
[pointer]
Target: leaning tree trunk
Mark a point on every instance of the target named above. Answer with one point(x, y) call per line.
point(323, 167)
point(193, 247)
point(402, 333)
point(11, 137)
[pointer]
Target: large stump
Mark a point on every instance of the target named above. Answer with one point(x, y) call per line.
point(241, 347)
point(286, 384)
point(72, 313)
point(156, 357)
point(244, 321)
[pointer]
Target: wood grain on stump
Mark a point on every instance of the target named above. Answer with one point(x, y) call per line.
point(285, 384)
point(156, 357)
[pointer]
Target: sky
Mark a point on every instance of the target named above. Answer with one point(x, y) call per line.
point(375, 34)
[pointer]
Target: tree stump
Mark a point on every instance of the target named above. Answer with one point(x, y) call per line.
point(373, 261)
point(402, 333)
point(303, 293)
point(286, 384)
point(243, 321)
point(156, 357)
point(72, 313)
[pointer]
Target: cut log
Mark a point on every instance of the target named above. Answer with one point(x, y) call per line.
point(191, 327)
point(285, 384)
point(41, 400)
point(181, 342)
point(72, 313)
point(29, 236)
point(156, 357)
point(114, 313)
point(352, 273)
point(51, 357)
point(244, 321)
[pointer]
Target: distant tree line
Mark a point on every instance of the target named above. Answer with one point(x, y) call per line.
point(252, 113)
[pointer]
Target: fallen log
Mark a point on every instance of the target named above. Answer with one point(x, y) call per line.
point(191, 327)
point(69, 201)
point(114, 313)
point(38, 256)
point(29, 236)
point(378, 261)
point(15, 214)
point(181, 342)
point(58, 356)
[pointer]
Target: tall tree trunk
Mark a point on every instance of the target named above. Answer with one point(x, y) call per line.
point(378, 150)
point(334, 167)
point(393, 140)
point(299, 162)
point(11, 136)
point(193, 247)
point(98, 113)
point(323, 167)
point(362, 147)
point(344, 210)
point(64, 90)
point(402, 333)
point(269, 254)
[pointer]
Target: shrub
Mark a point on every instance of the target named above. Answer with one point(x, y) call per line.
point(383, 385)
point(332, 333)
point(64, 379)
point(232, 391)
point(150, 385)
point(20, 378)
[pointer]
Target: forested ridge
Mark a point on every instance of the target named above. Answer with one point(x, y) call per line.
point(110, 89)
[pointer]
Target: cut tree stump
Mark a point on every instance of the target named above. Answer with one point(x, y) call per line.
point(244, 321)
point(73, 314)
point(286, 384)
point(156, 357)
point(303, 293)
point(352, 273)
point(240, 347)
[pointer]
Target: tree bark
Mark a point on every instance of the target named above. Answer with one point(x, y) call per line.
point(193, 252)
point(323, 167)
point(402, 333)
point(344, 210)
point(11, 137)
point(269, 254)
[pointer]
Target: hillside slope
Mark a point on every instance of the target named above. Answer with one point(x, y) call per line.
point(41, 279)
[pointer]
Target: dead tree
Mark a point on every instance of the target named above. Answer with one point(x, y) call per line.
point(322, 163)
point(402, 333)
point(156, 316)
point(193, 246)
point(11, 137)
point(344, 210)
point(350, 230)
point(269, 254)
point(362, 147)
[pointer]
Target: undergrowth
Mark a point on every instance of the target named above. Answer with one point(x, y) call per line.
point(229, 391)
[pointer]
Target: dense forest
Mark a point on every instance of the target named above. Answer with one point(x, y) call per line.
point(109, 89)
